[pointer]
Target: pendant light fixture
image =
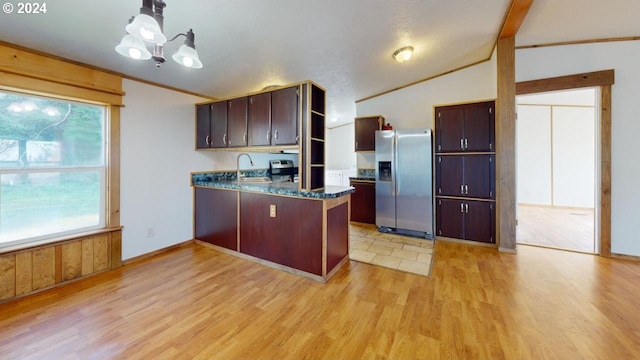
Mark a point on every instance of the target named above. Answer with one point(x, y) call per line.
point(147, 27)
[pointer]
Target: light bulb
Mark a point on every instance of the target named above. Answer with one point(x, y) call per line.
point(146, 34)
point(187, 61)
point(135, 53)
point(403, 54)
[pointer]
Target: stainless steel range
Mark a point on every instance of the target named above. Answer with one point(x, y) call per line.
point(281, 170)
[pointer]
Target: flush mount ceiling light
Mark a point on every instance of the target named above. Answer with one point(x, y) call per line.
point(403, 54)
point(146, 27)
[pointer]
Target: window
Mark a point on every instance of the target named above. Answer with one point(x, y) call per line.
point(52, 167)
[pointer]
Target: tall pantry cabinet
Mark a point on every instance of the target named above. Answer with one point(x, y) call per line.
point(465, 171)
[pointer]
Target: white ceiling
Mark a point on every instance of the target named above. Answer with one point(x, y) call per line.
point(343, 45)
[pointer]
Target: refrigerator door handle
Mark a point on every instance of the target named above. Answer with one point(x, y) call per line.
point(394, 165)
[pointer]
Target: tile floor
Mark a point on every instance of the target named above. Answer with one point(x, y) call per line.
point(368, 245)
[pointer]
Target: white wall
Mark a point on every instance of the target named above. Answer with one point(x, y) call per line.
point(412, 107)
point(545, 62)
point(339, 152)
point(157, 154)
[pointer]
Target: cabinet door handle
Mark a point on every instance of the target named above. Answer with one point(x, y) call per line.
point(276, 135)
point(462, 189)
point(268, 136)
point(466, 189)
point(297, 138)
point(244, 137)
point(461, 207)
point(208, 140)
point(466, 208)
point(224, 139)
point(462, 144)
point(466, 143)
point(356, 145)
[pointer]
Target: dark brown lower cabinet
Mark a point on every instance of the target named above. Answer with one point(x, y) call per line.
point(216, 214)
point(293, 237)
point(337, 235)
point(363, 202)
point(466, 219)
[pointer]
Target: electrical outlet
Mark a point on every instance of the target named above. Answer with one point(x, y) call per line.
point(151, 232)
point(272, 211)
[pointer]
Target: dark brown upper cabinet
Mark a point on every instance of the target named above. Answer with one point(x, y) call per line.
point(260, 119)
point(211, 125)
point(466, 128)
point(284, 116)
point(365, 132)
point(203, 126)
point(219, 125)
point(237, 122)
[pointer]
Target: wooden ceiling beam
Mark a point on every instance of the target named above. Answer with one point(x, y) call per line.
point(515, 17)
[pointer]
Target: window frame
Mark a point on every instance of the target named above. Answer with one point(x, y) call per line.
point(103, 172)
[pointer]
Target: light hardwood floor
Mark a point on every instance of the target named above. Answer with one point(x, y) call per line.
point(195, 303)
point(558, 227)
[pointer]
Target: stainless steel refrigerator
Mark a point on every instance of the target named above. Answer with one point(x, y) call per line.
point(404, 190)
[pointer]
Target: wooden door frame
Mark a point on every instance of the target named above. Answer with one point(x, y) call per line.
point(602, 80)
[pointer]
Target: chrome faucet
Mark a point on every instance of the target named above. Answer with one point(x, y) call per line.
point(238, 164)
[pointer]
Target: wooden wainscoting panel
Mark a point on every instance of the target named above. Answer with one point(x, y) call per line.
point(101, 252)
point(44, 267)
point(87, 256)
point(7, 276)
point(24, 272)
point(71, 260)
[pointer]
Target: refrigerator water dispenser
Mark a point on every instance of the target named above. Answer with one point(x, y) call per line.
point(384, 171)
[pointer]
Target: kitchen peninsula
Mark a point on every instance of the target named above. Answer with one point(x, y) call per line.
point(276, 224)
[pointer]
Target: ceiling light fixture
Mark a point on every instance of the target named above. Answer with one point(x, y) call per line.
point(403, 54)
point(147, 27)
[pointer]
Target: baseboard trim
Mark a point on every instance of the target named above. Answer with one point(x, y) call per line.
point(507, 250)
point(466, 242)
point(156, 252)
point(625, 257)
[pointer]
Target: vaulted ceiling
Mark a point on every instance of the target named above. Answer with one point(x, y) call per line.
point(343, 45)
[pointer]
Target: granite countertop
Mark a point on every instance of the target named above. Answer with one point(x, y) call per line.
point(277, 188)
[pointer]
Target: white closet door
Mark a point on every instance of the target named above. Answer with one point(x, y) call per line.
point(573, 156)
point(534, 155)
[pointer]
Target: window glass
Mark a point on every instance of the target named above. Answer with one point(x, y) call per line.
point(52, 167)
